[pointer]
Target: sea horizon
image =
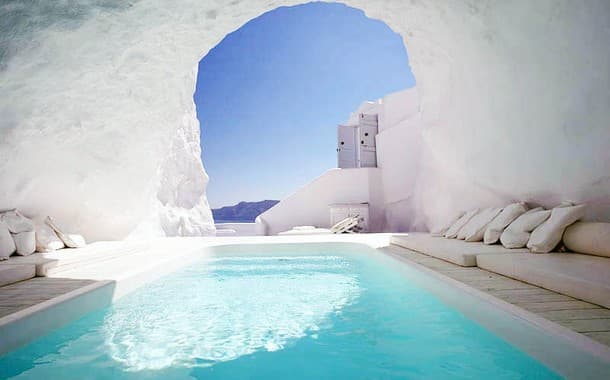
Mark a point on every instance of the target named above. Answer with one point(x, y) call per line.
point(218, 221)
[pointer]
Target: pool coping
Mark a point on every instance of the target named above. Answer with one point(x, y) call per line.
point(575, 338)
point(25, 325)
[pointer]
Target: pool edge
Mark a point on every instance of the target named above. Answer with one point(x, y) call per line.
point(576, 339)
point(23, 326)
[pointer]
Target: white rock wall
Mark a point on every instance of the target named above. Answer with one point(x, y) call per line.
point(513, 97)
point(98, 126)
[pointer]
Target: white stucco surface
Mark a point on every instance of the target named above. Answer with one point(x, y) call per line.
point(309, 205)
point(98, 125)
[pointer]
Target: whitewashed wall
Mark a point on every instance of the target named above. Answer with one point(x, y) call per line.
point(399, 150)
point(309, 204)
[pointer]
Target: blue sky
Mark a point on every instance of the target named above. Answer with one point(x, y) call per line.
point(270, 95)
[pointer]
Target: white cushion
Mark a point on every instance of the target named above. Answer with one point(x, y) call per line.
point(74, 240)
point(580, 276)
point(441, 231)
point(46, 239)
point(517, 234)
point(10, 273)
point(25, 243)
point(7, 245)
point(514, 239)
point(70, 240)
point(462, 232)
point(16, 222)
point(475, 229)
point(548, 235)
point(589, 238)
point(507, 216)
point(453, 231)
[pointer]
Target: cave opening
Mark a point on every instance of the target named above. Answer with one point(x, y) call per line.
point(270, 95)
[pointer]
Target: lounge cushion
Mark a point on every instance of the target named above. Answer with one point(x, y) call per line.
point(42, 264)
point(74, 240)
point(453, 231)
point(517, 234)
point(46, 239)
point(13, 273)
point(580, 276)
point(507, 216)
point(7, 245)
point(70, 240)
point(589, 238)
point(548, 235)
point(16, 222)
point(475, 229)
point(456, 251)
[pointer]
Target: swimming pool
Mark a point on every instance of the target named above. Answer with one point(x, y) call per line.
point(340, 311)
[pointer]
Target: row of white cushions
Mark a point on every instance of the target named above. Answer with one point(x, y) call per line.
point(541, 230)
point(23, 236)
point(513, 226)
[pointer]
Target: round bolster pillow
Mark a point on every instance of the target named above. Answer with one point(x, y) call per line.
point(589, 238)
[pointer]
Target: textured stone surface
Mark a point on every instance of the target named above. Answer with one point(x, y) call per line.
point(98, 125)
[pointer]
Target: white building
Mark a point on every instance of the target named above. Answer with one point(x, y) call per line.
point(378, 158)
point(356, 146)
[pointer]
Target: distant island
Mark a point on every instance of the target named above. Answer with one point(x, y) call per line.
point(242, 212)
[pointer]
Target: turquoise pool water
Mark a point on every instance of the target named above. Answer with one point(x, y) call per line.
point(287, 312)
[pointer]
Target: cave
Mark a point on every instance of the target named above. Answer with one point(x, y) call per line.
point(98, 125)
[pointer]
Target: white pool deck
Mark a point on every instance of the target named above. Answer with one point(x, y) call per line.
point(103, 272)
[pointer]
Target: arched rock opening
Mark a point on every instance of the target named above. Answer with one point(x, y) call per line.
point(99, 129)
